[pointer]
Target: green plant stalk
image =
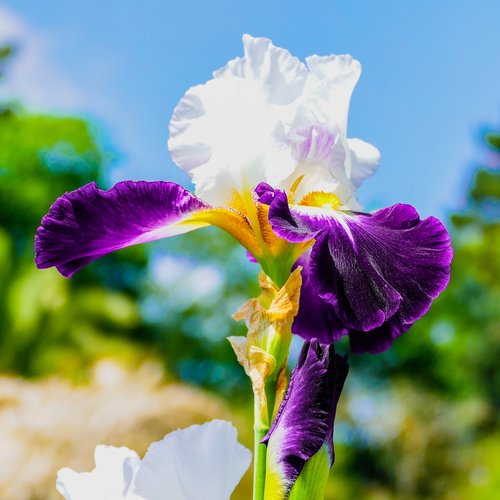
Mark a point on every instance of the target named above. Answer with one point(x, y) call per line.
point(259, 465)
point(262, 424)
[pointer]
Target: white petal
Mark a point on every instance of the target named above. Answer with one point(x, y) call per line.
point(112, 478)
point(227, 133)
point(330, 87)
point(365, 160)
point(325, 106)
point(280, 75)
point(202, 462)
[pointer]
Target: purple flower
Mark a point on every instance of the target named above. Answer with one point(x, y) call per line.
point(303, 426)
point(370, 276)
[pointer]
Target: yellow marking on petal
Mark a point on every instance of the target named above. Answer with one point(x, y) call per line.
point(232, 222)
point(274, 243)
point(248, 222)
point(237, 202)
point(321, 199)
point(296, 183)
point(294, 188)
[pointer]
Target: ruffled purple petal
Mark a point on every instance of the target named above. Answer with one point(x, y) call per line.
point(317, 319)
point(374, 267)
point(369, 267)
point(88, 223)
point(304, 422)
point(379, 339)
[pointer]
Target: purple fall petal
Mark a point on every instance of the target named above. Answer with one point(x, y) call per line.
point(374, 267)
point(376, 273)
point(316, 318)
point(88, 223)
point(304, 422)
point(379, 339)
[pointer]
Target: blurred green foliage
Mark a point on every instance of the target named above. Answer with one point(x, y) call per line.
point(418, 421)
point(49, 324)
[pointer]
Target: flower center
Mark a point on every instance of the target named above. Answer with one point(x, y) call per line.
point(321, 199)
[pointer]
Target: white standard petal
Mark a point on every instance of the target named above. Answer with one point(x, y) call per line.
point(365, 160)
point(202, 462)
point(280, 75)
point(112, 478)
point(329, 87)
point(319, 128)
point(228, 133)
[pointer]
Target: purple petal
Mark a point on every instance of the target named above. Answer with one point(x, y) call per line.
point(88, 223)
point(284, 223)
point(251, 257)
point(370, 267)
point(379, 339)
point(374, 267)
point(304, 422)
point(265, 193)
point(317, 319)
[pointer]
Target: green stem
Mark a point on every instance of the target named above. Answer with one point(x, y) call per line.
point(259, 466)
point(260, 430)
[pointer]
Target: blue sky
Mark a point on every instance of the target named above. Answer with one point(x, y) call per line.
point(431, 75)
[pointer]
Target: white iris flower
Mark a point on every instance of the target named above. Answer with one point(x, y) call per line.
point(202, 462)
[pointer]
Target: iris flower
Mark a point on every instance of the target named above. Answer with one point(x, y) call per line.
point(202, 462)
point(265, 143)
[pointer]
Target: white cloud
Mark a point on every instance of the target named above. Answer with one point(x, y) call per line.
point(31, 75)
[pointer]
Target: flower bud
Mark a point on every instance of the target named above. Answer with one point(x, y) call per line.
point(300, 441)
